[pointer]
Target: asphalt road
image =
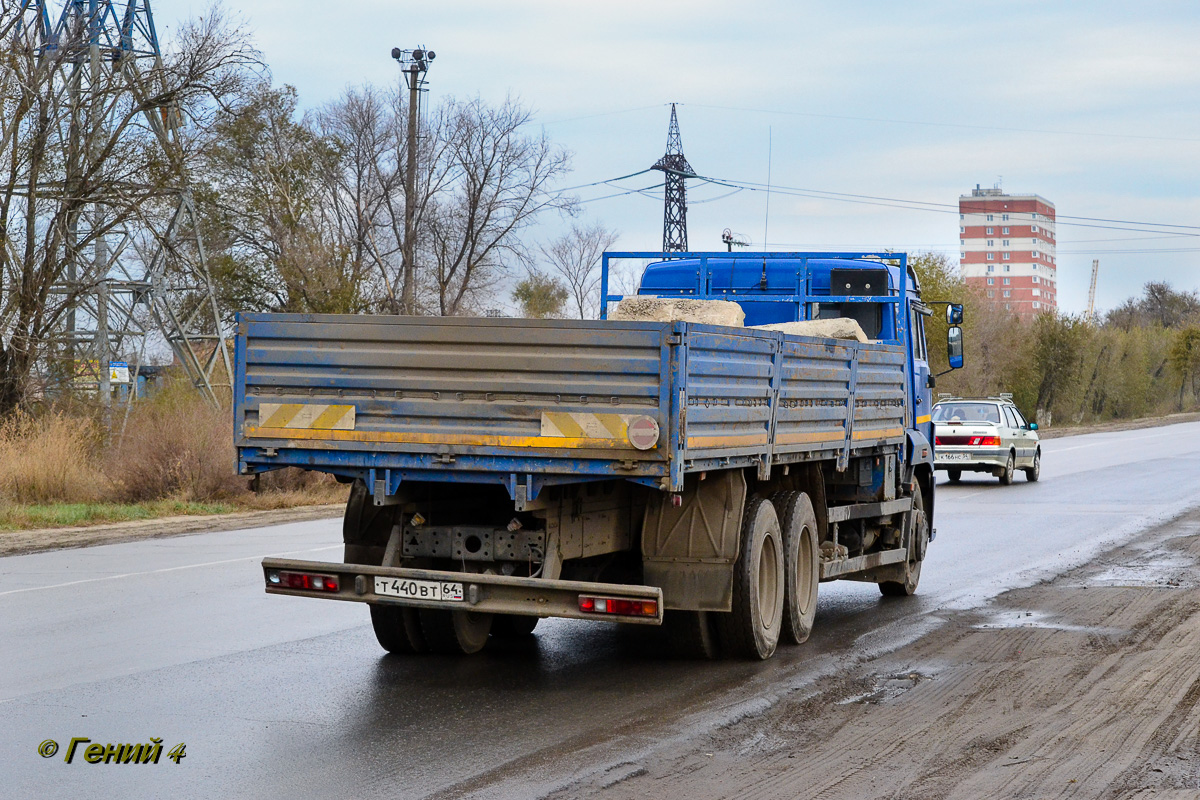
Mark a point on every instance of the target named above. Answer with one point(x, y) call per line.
point(277, 696)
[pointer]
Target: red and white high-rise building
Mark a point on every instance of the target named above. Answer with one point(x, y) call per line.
point(1007, 249)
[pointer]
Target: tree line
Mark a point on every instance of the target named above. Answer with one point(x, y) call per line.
point(1140, 359)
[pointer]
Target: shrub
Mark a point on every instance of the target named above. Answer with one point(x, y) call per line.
point(53, 458)
point(176, 445)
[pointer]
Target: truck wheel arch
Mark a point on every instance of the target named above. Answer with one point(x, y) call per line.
point(923, 474)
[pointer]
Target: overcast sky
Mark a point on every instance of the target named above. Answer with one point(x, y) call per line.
point(1093, 105)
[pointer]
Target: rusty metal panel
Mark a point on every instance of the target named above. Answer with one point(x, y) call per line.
point(730, 390)
point(879, 403)
point(815, 395)
point(456, 385)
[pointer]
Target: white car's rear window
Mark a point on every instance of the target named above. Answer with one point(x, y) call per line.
point(967, 412)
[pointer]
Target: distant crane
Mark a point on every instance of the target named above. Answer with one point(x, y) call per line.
point(1091, 309)
point(676, 171)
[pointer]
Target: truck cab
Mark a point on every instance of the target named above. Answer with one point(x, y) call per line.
point(877, 290)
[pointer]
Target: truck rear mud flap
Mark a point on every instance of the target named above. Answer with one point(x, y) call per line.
point(464, 591)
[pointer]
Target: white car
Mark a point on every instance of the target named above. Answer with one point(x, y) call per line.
point(985, 434)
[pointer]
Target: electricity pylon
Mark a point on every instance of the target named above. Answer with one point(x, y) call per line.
point(135, 279)
point(676, 170)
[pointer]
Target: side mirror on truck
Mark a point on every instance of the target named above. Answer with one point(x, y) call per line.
point(954, 344)
point(954, 314)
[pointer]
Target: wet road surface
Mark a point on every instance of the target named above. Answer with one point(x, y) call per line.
point(174, 639)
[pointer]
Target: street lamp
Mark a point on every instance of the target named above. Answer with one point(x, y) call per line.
point(414, 64)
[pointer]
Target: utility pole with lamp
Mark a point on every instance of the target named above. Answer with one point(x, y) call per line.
point(414, 64)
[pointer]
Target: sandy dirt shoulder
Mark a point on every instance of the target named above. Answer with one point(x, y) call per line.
point(1087, 685)
point(1123, 425)
point(33, 541)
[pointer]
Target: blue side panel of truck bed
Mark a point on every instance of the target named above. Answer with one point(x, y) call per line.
point(529, 403)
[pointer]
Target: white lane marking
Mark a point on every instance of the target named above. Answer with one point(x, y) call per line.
point(167, 569)
point(965, 496)
point(1109, 443)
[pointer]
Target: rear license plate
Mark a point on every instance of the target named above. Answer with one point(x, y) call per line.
point(953, 456)
point(419, 590)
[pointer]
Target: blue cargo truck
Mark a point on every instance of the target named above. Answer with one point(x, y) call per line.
point(705, 478)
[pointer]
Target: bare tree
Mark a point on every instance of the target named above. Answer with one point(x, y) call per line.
point(501, 179)
point(482, 181)
point(575, 257)
point(81, 165)
point(289, 208)
point(365, 186)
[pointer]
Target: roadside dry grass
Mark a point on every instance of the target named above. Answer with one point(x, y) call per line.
point(15, 517)
point(53, 458)
point(173, 458)
point(32, 516)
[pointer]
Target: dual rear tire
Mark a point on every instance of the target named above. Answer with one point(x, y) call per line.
point(802, 559)
point(403, 630)
point(775, 582)
point(753, 627)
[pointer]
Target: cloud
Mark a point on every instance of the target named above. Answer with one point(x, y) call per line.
point(1100, 67)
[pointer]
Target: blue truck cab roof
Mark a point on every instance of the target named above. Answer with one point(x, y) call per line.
point(790, 287)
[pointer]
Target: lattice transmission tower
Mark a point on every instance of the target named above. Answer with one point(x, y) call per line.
point(676, 170)
point(127, 278)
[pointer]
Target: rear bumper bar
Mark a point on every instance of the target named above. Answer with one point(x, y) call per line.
point(485, 594)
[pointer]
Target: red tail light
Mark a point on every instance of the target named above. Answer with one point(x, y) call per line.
point(618, 606)
point(972, 441)
point(303, 580)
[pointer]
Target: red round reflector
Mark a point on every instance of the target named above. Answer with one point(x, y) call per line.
point(643, 433)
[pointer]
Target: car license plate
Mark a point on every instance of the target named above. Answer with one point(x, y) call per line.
point(953, 456)
point(419, 590)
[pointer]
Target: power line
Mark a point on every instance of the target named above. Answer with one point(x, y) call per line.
point(1132, 251)
point(623, 194)
point(1069, 220)
point(949, 207)
point(945, 208)
point(601, 183)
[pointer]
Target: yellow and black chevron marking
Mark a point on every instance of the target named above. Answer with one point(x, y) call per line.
point(306, 416)
point(585, 425)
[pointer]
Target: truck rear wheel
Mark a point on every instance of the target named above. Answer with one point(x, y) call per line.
point(365, 529)
point(918, 539)
point(691, 634)
point(513, 626)
point(802, 564)
point(455, 632)
point(397, 629)
point(751, 629)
